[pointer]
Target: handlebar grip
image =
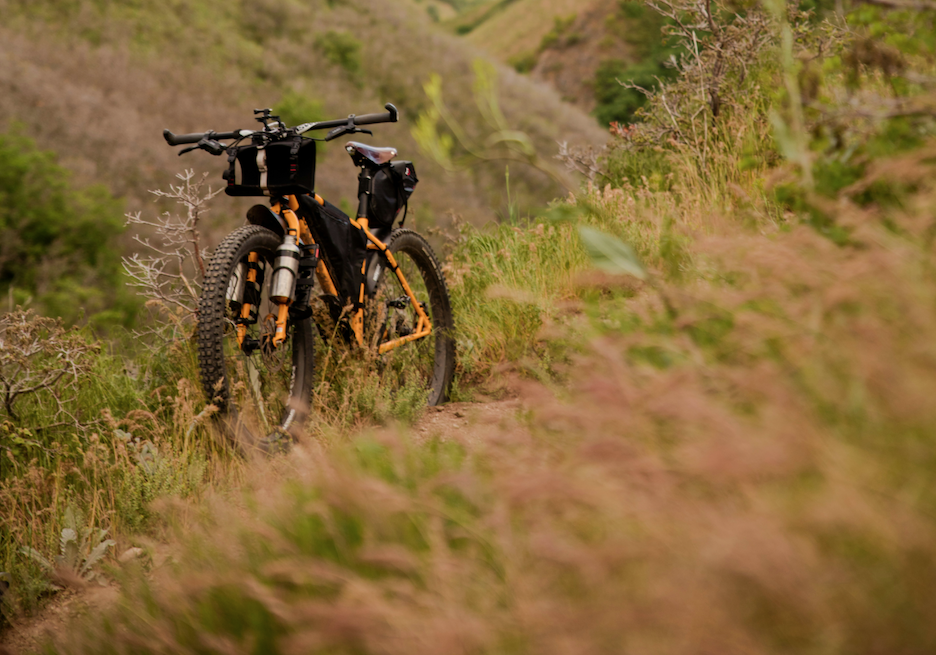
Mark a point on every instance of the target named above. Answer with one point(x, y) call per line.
point(179, 139)
point(369, 119)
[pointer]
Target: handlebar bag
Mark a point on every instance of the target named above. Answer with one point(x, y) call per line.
point(276, 168)
point(391, 187)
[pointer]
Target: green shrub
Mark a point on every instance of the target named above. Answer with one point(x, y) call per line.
point(295, 108)
point(641, 28)
point(58, 241)
point(524, 63)
point(554, 38)
point(617, 103)
point(342, 49)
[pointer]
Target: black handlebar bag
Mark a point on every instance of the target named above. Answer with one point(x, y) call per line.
point(277, 168)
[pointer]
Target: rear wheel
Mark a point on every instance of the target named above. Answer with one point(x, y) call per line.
point(263, 392)
point(425, 365)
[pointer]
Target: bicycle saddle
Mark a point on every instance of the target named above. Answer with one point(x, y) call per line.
point(377, 155)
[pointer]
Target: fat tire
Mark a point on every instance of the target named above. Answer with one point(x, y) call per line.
point(418, 249)
point(210, 337)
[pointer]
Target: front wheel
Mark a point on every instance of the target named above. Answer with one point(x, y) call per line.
point(425, 365)
point(263, 392)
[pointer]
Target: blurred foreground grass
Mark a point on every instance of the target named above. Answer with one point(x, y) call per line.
point(734, 459)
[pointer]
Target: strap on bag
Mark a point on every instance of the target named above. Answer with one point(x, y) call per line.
point(229, 174)
point(401, 194)
point(294, 158)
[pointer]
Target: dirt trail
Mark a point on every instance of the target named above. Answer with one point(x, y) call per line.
point(468, 421)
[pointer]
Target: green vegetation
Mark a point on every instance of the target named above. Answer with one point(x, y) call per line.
point(342, 49)
point(297, 108)
point(88, 435)
point(652, 64)
point(525, 62)
point(558, 37)
point(559, 34)
point(470, 20)
point(59, 241)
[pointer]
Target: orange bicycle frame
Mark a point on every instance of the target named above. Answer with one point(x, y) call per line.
point(296, 225)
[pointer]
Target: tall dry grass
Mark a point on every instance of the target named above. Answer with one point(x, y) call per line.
point(741, 468)
point(732, 457)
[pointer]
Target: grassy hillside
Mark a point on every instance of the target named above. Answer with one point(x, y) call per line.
point(109, 78)
point(725, 353)
point(581, 49)
point(511, 28)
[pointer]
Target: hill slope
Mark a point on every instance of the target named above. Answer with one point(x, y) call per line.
point(105, 84)
point(562, 43)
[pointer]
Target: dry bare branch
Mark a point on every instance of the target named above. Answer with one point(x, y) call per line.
point(42, 360)
point(581, 160)
point(169, 272)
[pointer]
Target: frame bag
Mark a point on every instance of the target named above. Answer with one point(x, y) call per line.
point(343, 246)
point(278, 168)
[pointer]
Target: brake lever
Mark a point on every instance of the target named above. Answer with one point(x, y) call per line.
point(211, 146)
point(208, 145)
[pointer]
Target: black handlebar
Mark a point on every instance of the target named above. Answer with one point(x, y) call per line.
point(369, 119)
point(181, 139)
point(391, 116)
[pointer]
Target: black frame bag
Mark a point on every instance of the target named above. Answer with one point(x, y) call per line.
point(343, 246)
point(277, 168)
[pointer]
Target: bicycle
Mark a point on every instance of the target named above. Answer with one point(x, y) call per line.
point(380, 288)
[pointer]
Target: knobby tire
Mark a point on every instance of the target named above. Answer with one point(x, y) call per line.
point(263, 397)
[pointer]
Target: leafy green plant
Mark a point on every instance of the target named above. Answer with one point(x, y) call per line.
point(617, 98)
point(81, 549)
point(618, 82)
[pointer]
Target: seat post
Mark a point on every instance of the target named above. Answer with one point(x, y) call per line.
point(364, 187)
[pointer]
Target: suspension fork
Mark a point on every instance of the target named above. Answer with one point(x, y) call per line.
point(285, 267)
point(283, 290)
point(252, 258)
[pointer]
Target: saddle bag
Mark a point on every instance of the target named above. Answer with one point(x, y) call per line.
point(391, 187)
point(278, 168)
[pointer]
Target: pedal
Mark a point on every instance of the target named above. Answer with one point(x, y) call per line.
point(398, 303)
point(403, 329)
point(250, 345)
